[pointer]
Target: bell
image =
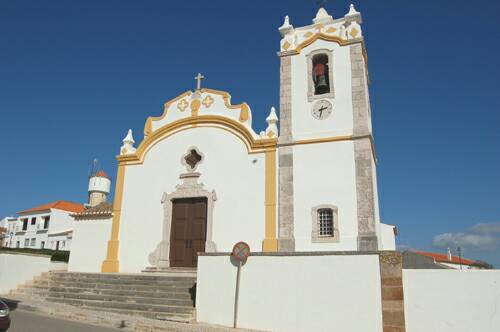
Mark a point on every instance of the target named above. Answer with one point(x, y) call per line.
point(321, 82)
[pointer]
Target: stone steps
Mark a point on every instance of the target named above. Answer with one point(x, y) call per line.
point(164, 296)
point(126, 292)
point(186, 302)
point(148, 307)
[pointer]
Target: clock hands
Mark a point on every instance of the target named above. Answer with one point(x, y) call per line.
point(321, 110)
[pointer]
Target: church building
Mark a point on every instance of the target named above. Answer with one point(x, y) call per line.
point(202, 179)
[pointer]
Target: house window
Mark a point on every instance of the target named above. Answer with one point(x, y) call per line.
point(25, 224)
point(33, 221)
point(325, 222)
point(325, 226)
point(42, 245)
point(18, 244)
point(46, 222)
point(26, 242)
point(33, 242)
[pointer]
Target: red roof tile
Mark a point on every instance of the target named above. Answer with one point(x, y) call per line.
point(60, 205)
point(443, 258)
point(102, 174)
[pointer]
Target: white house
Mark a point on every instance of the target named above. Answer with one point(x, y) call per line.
point(47, 226)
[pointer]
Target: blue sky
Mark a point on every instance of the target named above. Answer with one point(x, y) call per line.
point(75, 75)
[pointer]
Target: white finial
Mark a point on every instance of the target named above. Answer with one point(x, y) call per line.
point(322, 17)
point(128, 144)
point(272, 120)
point(286, 27)
point(352, 11)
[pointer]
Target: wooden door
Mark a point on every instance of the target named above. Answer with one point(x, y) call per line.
point(189, 231)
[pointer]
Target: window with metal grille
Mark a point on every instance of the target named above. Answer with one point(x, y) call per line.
point(325, 222)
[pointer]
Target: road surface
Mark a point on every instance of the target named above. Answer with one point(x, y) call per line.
point(23, 321)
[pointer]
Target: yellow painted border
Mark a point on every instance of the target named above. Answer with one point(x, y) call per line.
point(111, 263)
point(253, 144)
point(270, 243)
point(243, 107)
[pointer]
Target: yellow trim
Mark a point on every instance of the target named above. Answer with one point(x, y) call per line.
point(148, 127)
point(320, 140)
point(253, 145)
point(323, 36)
point(111, 263)
point(270, 242)
point(244, 114)
point(243, 107)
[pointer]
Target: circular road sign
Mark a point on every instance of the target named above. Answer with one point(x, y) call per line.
point(241, 251)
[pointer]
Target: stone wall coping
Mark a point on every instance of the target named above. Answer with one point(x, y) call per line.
point(304, 253)
point(23, 253)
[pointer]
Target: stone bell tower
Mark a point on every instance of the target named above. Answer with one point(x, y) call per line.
point(326, 147)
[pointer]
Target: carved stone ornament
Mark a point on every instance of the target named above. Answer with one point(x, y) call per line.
point(392, 258)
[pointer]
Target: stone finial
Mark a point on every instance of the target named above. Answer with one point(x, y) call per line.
point(128, 144)
point(286, 27)
point(352, 11)
point(322, 17)
point(272, 127)
point(353, 15)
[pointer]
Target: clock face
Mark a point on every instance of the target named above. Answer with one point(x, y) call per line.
point(322, 109)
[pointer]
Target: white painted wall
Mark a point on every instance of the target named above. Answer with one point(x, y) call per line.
point(237, 177)
point(16, 269)
point(340, 122)
point(387, 237)
point(452, 301)
point(325, 174)
point(59, 221)
point(89, 246)
point(292, 293)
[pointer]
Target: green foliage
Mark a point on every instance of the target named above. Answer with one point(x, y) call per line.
point(55, 255)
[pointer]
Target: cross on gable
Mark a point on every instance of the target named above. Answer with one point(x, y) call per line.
point(198, 79)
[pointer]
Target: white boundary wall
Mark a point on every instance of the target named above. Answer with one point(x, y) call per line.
point(89, 247)
point(450, 300)
point(16, 269)
point(292, 293)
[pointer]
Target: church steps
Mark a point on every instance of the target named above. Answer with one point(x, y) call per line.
point(163, 296)
point(120, 305)
point(125, 292)
point(132, 287)
point(183, 302)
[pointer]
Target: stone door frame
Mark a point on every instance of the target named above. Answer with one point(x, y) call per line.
point(190, 188)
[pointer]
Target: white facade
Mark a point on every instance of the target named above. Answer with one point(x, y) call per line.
point(292, 293)
point(448, 300)
point(252, 195)
point(89, 244)
point(29, 230)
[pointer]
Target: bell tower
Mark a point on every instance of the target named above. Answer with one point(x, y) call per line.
point(326, 147)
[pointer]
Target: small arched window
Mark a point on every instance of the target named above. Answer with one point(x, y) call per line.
point(320, 74)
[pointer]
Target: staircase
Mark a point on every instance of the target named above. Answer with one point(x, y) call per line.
point(37, 288)
point(164, 296)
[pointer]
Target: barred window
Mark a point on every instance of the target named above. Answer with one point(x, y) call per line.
point(325, 222)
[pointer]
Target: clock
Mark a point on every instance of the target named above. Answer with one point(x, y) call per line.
point(322, 109)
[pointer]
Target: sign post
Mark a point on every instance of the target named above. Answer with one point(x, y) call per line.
point(240, 253)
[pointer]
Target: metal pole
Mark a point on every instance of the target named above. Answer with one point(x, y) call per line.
point(237, 291)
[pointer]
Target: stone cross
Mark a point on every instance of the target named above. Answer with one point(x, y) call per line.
point(198, 78)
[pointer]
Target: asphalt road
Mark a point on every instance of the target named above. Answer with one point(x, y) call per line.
point(23, 321)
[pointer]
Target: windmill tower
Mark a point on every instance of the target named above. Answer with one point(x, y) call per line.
point(99, 186)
